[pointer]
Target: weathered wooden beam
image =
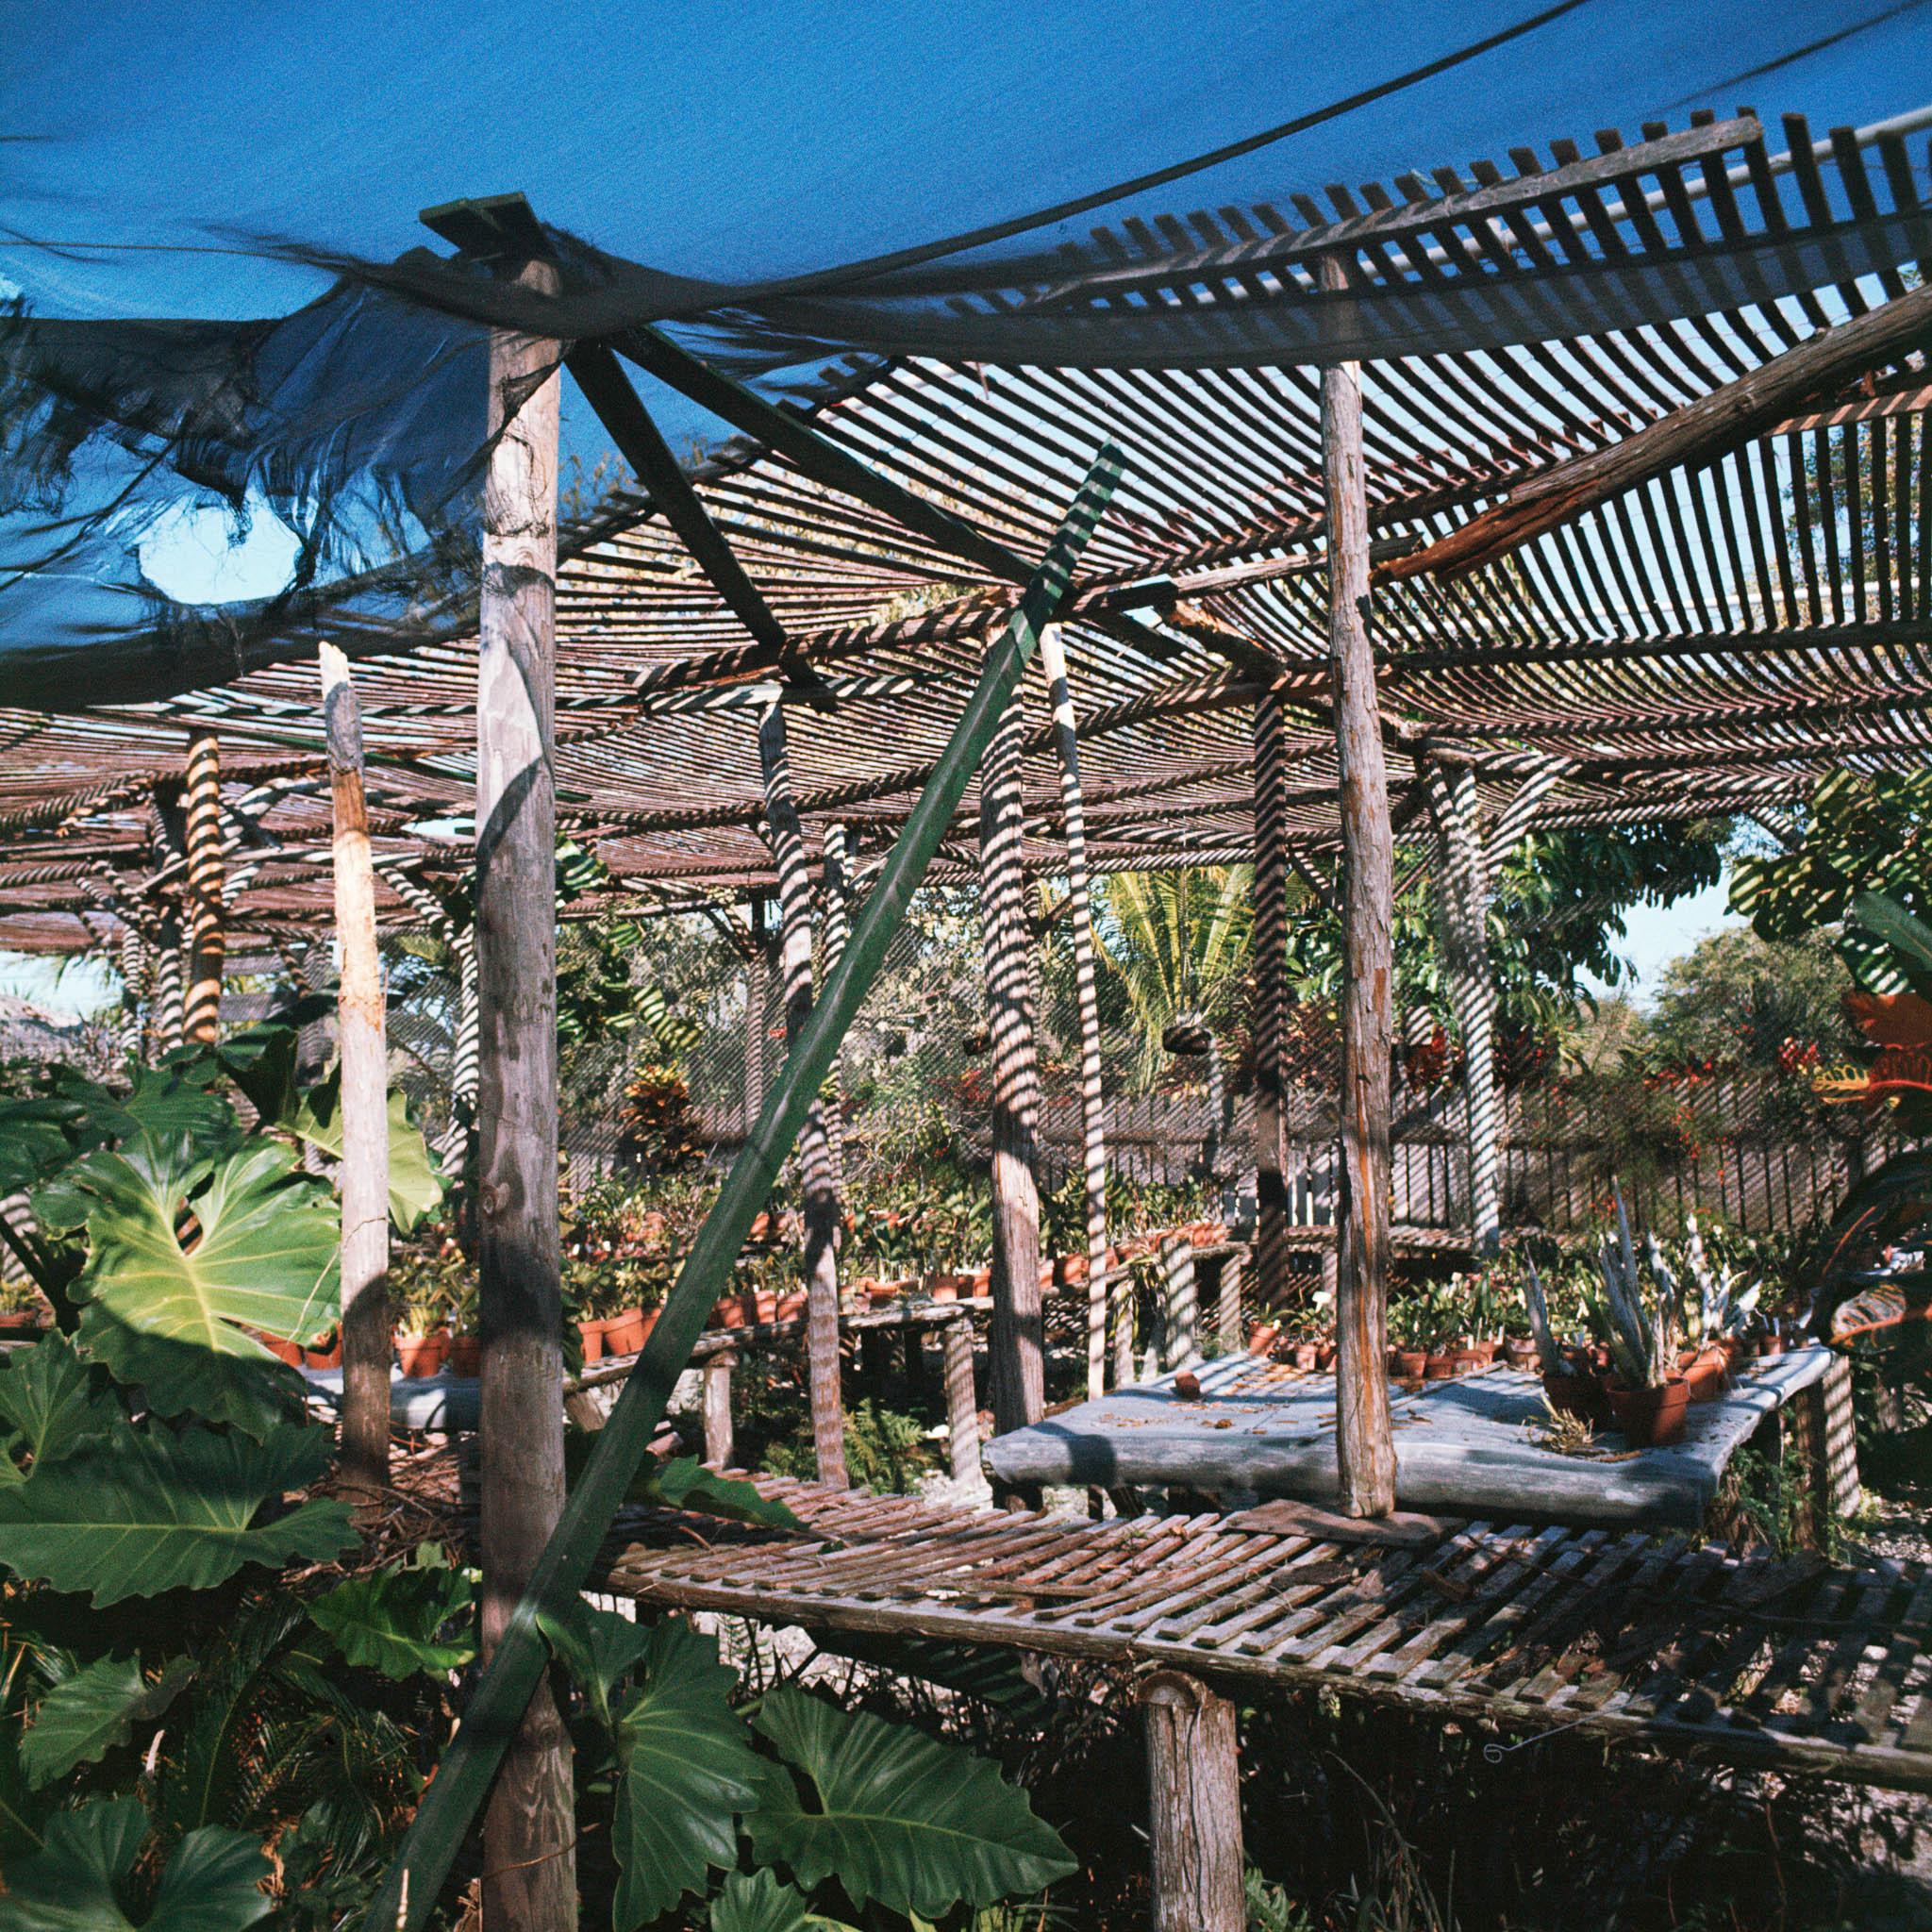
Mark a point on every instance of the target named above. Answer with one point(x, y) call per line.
point(1462, 899)
point(362, 1460)
point(530, 1864)
point(1270, 1008)
point(962, 1400)
point(1016, 1346)
point(721, 1441)
point(1181, 1303)
point(817, 1149)
point(1193, 1806)
point(201, 802)
point(1692, 436)
point(1364, 1447)
point(1053, 663)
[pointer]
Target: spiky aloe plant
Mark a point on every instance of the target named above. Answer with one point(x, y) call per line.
point(1639, 1337)
point(1536, 1306)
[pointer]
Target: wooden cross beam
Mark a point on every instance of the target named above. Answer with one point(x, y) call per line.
point(1694, 435)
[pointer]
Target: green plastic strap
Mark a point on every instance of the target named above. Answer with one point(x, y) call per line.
point(422, 1866)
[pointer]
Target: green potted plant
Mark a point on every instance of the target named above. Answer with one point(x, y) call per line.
point(1647, 1395)
point(423, 1328)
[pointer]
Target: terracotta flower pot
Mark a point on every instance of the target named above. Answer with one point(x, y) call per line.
point(728, 1311)
point(1069, 1270)
point(1770, 1346)
point(1522, 1354)
point(1706, 1371)
point(1303, 1354)
point(592, 1335)
point(1412, 1364)
point(1487, 1350)
point(1579, 1395)
point(942, 1288)
point(1438, 1366)
point(1262, 1337)
point(790, 1306)
point(1326, 1354)
point(625, 1332)
point(883, 1294)
point(421, 1356)
point(1048, 1279)
point(465, 1356)
point(27, 1322)
point(982, 1280)
point(1651, 1418)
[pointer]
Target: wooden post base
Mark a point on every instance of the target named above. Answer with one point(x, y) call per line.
point(962, 1399)
point(1194, 1809)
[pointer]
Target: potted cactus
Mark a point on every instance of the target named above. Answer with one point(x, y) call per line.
point(1648, 1396)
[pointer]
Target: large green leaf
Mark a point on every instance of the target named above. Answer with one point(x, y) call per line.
point(83, 1880)
point(91, 1713)
point(687, 1769)
point(154, 1510)
point(162, 1312)
point(682, 1482)
point(1909, 939)
point(415, 1180)
point(762, 1904)
point(48, 1400)
point(393, 1621)
point(916, 1824)
point(599, 1649)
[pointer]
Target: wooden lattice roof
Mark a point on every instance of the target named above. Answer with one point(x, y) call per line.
point(1704, 643)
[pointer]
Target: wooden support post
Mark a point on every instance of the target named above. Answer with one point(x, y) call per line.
point(1270, 1002)
point(962, 1400)
point(166, 1002)
point(207, 870)
point(719, 1440)
point(757, 968)
point(1365, 1449)
point(1227, 1306)
point(1462, 902)
point(1053, 662)
point(1180, 1301)
point(529, 1866)
point(363, 1462)
point(1194, 1805)
point(1015, 1353)
point(817, 1140)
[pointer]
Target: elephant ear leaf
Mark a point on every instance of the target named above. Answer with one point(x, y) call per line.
point(762, 1903)
point(899, 1818)
point(395, 1620)
point(167, 1313)
point(94, 1711)
point(48, 1400)
point(159, 1510)
point(415, 1180)
point(81, 1880)
point(684, 1483)
point(687, 1769)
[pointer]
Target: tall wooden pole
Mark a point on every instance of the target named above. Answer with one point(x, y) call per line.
point(1462, 900)
point(1271, 1000)
point(817, 1162)
point(1015, 1350)
point(363, 1462)
point(1053, 661)
point(206, 868)
point(165, 1002)
point(1364, 1447)
point(529, 1866)
point(758, 968)
point(1194, 1805)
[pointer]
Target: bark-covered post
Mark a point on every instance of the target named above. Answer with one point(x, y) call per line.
point(719, 1434)
point(757, 968)
point(364, 1455)
point(1462, 900)
point(1015, 1351)
point(1365, 1449)
point(1270, 1002)
point(166, 1003)
point(1194, 1805)
point(962, 1399)
point(206, 875)
point(530, 1863)
point(1053, 661)
point(817, 1156)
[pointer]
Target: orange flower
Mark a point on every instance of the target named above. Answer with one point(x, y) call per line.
point(1892, 1019)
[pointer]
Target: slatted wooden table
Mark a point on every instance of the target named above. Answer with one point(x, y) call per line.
point(1748, 1659)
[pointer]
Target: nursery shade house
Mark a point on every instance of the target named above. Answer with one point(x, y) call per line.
point(1512, 433)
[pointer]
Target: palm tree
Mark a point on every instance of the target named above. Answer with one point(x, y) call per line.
point(1179, 942)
